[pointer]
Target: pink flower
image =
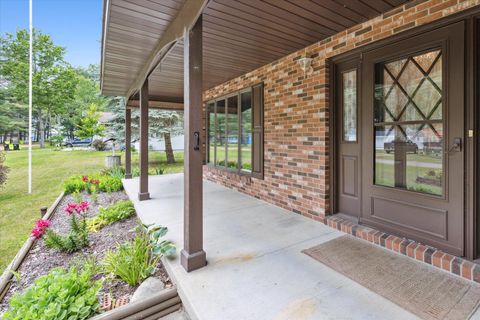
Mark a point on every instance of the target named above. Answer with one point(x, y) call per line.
point(83, 207)
point(93, 181)
point(71, 208)
point(77, 207)
point(40, 228)
point(85, 178)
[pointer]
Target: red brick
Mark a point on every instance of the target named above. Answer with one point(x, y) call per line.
point(447, 262)
point(420, 251)
point(437, 259)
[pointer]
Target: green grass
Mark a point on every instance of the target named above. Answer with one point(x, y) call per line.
point(246, 153)
point(384, 172)
point(19, 210)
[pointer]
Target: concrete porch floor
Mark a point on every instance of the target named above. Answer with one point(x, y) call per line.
point(255, 266)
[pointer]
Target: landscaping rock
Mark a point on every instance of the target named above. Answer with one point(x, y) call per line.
point(148, 287)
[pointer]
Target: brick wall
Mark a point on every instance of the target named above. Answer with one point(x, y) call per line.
point(296, 141)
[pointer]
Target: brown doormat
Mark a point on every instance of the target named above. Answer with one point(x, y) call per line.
point(423, 290)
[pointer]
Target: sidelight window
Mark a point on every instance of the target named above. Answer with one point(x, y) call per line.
point(408, 121)
point(349, 88)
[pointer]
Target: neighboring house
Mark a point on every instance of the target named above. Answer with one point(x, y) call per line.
point(299, 99)
point(157, 144)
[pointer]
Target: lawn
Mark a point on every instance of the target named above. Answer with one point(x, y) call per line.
point(19, 211)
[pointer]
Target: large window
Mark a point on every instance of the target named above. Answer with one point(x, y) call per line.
point(409, 123)
point(233, 132)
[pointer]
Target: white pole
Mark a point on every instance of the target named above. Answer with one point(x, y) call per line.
point(30, 76)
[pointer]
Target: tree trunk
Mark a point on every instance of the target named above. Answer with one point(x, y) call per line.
point(41, 129)
point(168, 148)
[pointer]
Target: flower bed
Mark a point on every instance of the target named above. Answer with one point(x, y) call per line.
point(109, 224)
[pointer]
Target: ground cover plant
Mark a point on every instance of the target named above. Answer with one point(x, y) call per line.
point(61, 294)
point(118, 211)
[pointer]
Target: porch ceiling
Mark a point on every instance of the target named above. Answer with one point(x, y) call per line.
point(238, 36)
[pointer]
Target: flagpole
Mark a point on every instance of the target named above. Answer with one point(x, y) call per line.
point(30, 76)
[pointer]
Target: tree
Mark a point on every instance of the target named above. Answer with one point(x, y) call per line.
point(87, 92)
point(89, 125)
point(54, 81)
point(13, 116)
point(166, 123)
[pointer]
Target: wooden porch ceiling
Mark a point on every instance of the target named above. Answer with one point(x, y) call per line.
point(238, 36)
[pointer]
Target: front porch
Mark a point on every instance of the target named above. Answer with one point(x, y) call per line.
point(256, 269)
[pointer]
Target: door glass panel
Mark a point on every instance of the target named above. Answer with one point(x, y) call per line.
point(211, 132)
point(221, 133)
point(350, 105)
point(408, 124)
point(232, 129)
point(246, 123)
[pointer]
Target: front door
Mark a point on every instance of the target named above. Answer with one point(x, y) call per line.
point(412, 138)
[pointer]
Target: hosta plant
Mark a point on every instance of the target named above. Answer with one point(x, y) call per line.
point(155, 234)
point(60, 295)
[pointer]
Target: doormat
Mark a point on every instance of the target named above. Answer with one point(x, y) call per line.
point(420, 289)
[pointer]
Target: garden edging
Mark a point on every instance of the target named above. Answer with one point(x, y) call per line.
point(18, 259)
point(154, 307)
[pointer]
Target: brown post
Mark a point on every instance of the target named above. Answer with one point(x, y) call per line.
point(128, 143)
point(143, 193)
point(192, 256)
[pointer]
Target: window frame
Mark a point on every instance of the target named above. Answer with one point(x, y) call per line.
point(213, 163)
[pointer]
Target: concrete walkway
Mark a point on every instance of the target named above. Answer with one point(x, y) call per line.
point(255, 266)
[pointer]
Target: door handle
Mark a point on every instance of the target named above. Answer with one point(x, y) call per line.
point(196, 138)
point(456, 146)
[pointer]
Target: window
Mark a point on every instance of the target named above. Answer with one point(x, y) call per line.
point(235, 132)
point(408, 120)
point(246, 131)
point(211, 132)
point(349, 87)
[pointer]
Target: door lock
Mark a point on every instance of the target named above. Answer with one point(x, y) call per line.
point(196, 140)
point(456, 146)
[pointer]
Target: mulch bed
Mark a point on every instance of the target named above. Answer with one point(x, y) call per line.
point(40, 260)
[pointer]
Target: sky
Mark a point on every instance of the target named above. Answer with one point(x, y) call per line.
point(74, 24)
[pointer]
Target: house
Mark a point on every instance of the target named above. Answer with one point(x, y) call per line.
point(293, 102)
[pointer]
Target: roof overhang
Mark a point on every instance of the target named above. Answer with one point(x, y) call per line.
point(143, 38)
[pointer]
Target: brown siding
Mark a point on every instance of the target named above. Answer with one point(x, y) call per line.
point(296, 115)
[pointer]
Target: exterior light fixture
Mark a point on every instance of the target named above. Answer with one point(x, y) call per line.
point(305, 63)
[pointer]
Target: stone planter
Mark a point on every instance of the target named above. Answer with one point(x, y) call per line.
point(113, 161)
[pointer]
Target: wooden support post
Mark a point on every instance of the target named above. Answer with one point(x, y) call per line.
point(192, 256)
point(143, 193)
point(128, 143)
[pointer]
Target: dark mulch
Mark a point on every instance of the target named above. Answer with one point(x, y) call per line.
point(40, 260)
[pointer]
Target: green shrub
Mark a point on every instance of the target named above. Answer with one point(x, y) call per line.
point(118, 211)
point(59, 295)
point(132, 262)
point(56, 140)
point(99, 145)
point(106, 183)
point(110, 184)
point(74, 184)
